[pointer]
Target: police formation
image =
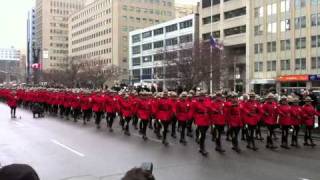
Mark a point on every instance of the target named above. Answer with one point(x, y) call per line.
point(166, 112)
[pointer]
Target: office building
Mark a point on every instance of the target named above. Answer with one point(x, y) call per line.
point(149, 48)
point(9, 64)
point(31, 43)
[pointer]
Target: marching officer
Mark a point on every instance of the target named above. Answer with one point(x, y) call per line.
point(182, 113)
point(270, 116)
point(284, 111)
point(296, 113)
point(86, 106)
point(308, 115)
point(251, 117)
point(218, 118)
point(126, 107)
point(202, 122)
point(97, 107)
point(144, 110)
point(234, 120)
point(110, 109)
point(164, 114)
point(12, 101)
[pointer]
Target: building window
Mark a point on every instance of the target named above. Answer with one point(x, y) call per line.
point(285, 5)
point(300, 22)
point(272, 46)
point(300, 43)
point(300, 3)
point(235, 30)
point(158, 44)
point(206, 20)
point(258, 12)
point(136, 61)
point(258, 66)
point(206, 36)
point(147, 34)
point(271, 65)
point(258, 30)
point(211, 19)
point(136, 50)
point(315, 19)
point(186, 38)
point(146, 73)
point(285, 65)
point(258, 48)
point(158, 31)
point(171, 42)
point(285, 25)
point(158, 57)
point(136, 74)
point(272, 27)
point(171, 28)
point(285, 44)
point(235, 13)
point(147, 46)
point(207, 3)
point(146, 59)
point(186, 24)
point(315, 62)
point(300, 64)
point(136, 38)
point(315, 41)
point(272, 9)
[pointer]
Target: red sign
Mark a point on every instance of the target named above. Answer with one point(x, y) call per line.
point(290, 78)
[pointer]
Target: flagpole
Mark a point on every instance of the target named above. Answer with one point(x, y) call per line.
point(211, 68)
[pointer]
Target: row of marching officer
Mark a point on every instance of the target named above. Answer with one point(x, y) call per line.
point(166, 110)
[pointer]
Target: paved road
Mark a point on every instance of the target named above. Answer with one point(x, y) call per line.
point(60, 149)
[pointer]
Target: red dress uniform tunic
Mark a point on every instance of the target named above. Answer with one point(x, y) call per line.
point(233, 112)
point(251, 112)
point(75, 101)
point(200, 114)
point(164, 110)
point(269, 113)
point(144, 109)
point(296, 115)
point(110, 106)
point(284, 112)
point(308, 113)
point(97, 103)
point(85, 103)
point(183, 110)
point(12, 101)
point(126, 108)
point(218, 116)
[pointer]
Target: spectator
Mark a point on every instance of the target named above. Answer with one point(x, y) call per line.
point(18, 172)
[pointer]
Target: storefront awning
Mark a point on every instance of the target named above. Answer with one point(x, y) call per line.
point(293, 78)
point(263, 81)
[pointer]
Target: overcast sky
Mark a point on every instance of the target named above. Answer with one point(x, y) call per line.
point(13, 22)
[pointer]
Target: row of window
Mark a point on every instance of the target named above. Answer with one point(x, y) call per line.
point(58, 31)
point(227, 32)
point(92, 45)
point(92, 27)
point(284, 7)
point(60, 25)
point(96, 62)
point(147, 11)
point(91, 18)
point(93, 54)
point(158, 73)
point(92, 36)
point(285, 25)
point(285, 65)
point(227, 15)
point(159, 44)
point(92, 9)
point(300, 43)
point(59, 45)
point(139, 20)
point(174, 27)
point(59, 12)
point(62, 4)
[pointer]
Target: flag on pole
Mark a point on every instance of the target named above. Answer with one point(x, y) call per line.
point(215, 44)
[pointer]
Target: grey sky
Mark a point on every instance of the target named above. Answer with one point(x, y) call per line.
point(13, 19)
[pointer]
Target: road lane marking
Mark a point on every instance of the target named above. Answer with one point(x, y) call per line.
point(304, 179)
point(19, 124)
point(67, 147)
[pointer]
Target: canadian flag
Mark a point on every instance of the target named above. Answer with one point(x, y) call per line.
point(35, 66)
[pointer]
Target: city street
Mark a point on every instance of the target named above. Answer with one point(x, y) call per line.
point(60, 149)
